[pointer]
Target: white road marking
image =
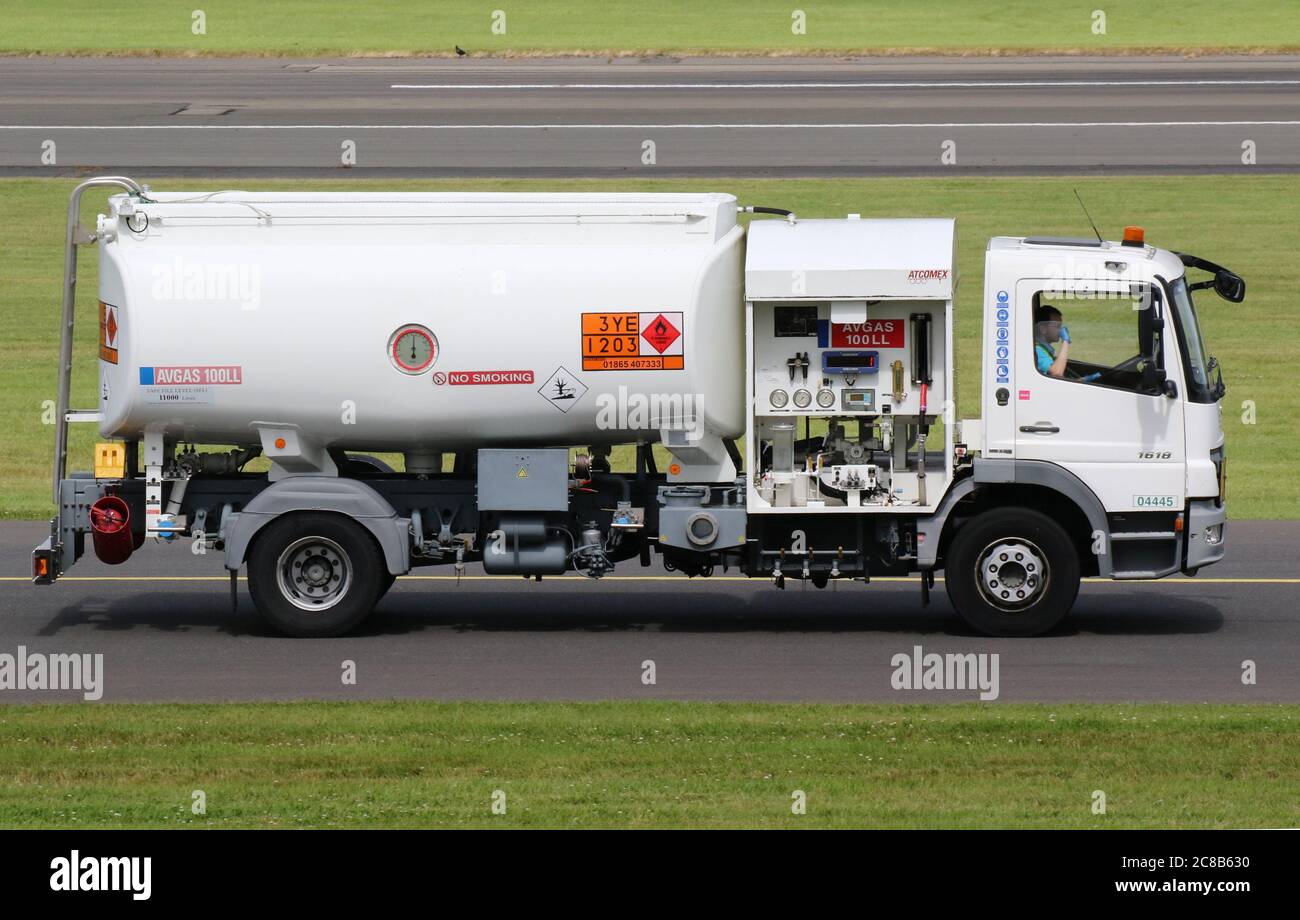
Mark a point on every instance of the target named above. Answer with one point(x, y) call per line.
point(961, 84)
point(803, 126)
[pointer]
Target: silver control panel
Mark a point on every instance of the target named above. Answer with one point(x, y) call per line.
point(805, 364)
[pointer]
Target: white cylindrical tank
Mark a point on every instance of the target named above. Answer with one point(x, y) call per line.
point(416, 321)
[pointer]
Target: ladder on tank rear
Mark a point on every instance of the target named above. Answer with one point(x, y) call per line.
point(76, 236)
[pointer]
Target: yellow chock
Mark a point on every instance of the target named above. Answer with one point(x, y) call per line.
point(110, 460)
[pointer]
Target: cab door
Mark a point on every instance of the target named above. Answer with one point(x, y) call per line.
point(1105, 421)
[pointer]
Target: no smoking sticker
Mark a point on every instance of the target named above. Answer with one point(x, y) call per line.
point(633, 341)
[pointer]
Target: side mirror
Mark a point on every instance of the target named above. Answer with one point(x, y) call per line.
point(1230, 287)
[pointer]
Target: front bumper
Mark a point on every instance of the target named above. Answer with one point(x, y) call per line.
point(1206, 533)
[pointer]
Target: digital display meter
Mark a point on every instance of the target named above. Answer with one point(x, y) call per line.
point(850, 362)
point(858, 400)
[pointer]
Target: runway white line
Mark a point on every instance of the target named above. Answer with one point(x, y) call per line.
point(803, 126)
point(965, 84)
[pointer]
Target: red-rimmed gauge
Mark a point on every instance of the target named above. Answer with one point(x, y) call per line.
point(413, 349)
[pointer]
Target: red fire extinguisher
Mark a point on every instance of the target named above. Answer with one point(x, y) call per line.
point(110, 526)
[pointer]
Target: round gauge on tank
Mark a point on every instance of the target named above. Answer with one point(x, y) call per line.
point(802, 398)
point(825, 398)
point(780, 399)
point(413, 349)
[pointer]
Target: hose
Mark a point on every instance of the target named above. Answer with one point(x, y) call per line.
point(759, 209)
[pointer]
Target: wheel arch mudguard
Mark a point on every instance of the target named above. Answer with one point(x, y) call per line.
point(349, 497)
point(1014, 472)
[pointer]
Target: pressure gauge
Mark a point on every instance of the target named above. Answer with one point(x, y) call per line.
point(780, 399)
point(802, 399)
point(413, 349)
point(825, 398)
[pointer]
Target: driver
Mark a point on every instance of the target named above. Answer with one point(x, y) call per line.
point(1048, 331)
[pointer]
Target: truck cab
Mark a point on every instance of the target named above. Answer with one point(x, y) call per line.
point(1094, 366)
point(1099, 450)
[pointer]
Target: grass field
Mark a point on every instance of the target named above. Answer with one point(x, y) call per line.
point(1237, 221)
point(648, 764)
point(414, 27)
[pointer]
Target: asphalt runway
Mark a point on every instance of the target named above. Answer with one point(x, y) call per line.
point(165, 628)
point(734, 116)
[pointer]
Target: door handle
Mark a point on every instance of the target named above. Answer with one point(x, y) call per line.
point(1040, 429)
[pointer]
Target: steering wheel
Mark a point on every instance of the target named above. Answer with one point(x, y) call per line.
point(1132, 364)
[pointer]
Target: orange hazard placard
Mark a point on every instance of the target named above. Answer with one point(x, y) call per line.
point(633, 341)
point(108, 329)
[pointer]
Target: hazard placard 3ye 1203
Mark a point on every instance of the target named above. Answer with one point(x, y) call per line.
point(633, 341)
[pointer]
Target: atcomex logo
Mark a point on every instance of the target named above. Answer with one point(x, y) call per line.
point(103, 873)
point(1002, 339)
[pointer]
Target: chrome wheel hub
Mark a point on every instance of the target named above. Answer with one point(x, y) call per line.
point(314, 573)
point(1012, 573)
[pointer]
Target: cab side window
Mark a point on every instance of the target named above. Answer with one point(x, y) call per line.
point(1092, 338)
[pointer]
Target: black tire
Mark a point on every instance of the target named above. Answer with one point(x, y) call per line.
point(386, 582)
point(332, 574)
point(1012, 572)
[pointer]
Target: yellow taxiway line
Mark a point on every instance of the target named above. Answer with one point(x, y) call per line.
point(675, 578)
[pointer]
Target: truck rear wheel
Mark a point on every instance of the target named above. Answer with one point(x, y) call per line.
point(1012, 572)
point(315, 575)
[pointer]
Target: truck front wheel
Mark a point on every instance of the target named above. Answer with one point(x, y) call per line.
point(314, 575)
point(1012, 572)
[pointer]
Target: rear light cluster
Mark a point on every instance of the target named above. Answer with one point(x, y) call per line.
point(43, 566)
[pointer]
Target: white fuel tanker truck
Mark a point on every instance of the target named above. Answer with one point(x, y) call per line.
point(516, 348)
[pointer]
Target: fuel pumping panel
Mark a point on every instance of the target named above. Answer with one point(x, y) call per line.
point(842, 410)
point(804, 361)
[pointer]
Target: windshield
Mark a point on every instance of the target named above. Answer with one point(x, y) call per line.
point(1199, 368)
